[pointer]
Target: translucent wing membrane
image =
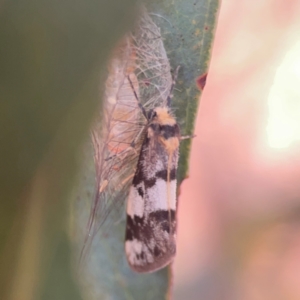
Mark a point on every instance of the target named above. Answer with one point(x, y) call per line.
point(142, 57)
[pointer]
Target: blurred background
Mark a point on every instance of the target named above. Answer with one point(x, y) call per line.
point(239, 210)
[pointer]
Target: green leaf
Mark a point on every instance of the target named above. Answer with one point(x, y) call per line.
point(51, 57)
point(105, 274)
point(187, 29)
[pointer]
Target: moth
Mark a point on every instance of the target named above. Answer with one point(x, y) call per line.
point(150, 240)
point(138, 68)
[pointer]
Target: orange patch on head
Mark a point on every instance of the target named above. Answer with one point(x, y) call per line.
point(170, 144)
point(164, 117)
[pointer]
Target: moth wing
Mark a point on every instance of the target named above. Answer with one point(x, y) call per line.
point(151, 210)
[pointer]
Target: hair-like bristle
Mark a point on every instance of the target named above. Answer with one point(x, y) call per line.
point(136, 72)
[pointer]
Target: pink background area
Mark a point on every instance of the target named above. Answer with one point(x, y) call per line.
point(239, 216)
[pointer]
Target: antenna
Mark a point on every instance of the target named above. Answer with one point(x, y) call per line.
point(137, 99)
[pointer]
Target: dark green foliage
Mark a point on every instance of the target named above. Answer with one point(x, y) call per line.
point(52, 54)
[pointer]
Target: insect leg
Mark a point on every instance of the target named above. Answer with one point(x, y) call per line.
point(187, 137)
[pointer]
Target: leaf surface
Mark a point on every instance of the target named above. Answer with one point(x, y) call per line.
point(187, 29)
